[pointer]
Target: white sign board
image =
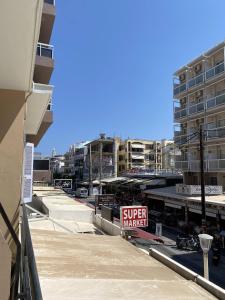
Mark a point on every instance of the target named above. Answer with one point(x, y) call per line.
point(27, 173)
point(63, 183)
point(196, 189)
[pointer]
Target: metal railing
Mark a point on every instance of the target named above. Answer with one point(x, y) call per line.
point(199, 79)
point(215, 133)
point(199, 107)
point(29, 280)
point(214, 71)
point(45, 50)
point(50, 105)
point(24, 276)
point(179, 88)
point(194, 165)
point(52, 2)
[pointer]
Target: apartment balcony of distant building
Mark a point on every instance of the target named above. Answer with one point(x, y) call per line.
point(211, 164)
point(47, 22)
point(39, 114)
point(204, 70)
point(44, 63)
point(212, 103)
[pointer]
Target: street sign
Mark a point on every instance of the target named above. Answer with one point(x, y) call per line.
point(133, 216)
point(63, 183)
point(104, 199)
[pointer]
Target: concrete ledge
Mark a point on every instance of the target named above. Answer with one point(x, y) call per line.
point(106, 225)
point(211, 287)
point(188, 274)
point(178, 268)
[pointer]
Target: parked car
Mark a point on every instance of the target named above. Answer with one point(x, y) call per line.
point(81, 192)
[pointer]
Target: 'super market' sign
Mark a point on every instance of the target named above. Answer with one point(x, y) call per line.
point(133, 216)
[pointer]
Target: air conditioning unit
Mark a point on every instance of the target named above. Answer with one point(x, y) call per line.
point(198, 68)
point(199, 93)
point(182, 77)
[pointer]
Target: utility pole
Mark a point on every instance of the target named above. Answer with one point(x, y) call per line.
point(202, 172)
point(100, 165)
point(90, 172)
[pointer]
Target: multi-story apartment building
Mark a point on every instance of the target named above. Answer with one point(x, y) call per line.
point(169, 154)
point(199, 93)
point(26, 65)
point(80, 160)
point(104, 156)
point(139, 154)
point(69, 161)
point(57, 163)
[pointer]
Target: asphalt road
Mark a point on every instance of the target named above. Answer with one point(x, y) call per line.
point(190, 259)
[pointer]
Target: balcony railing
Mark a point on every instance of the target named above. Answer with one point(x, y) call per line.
point(216, 101)
point(199, 79)
point(180, 113)
point(179, 88)
point(196, 108)
point(50, 105)
point(196, 81)
point(199, 107)
point(52, 2)
point(214, 71)
point(216, 133)
point(45, 50)
point(194, 165)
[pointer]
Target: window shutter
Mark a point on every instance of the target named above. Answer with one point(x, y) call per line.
point(28, 173)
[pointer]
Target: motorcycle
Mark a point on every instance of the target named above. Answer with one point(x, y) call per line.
point(216, 255)
point(188, 242)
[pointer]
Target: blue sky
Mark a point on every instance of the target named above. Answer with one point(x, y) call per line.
point(114, 61)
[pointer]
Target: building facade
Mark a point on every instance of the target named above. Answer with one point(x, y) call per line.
point(25, 115)
point(170, 151)
point(199, 93)
point(57, 163)
point(101, 159)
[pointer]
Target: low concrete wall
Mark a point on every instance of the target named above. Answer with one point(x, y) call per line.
point(211, 287)
point(188, 274)
point(178, 268)
point(106, 226)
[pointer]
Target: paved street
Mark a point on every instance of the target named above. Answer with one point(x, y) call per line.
point(190, 259)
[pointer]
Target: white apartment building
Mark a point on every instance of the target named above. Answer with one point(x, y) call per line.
point(199, 93)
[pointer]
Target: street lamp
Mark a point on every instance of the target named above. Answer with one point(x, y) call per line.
point(205, 243)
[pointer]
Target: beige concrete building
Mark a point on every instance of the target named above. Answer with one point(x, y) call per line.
point(139, 154)
point(169, 154)
point(199, 92)
point(26, 64)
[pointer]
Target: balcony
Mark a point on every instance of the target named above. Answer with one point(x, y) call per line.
point(47, 22)
point(216, 133)
point(45, 50)
point(52, 2)
point(211, 165)
point(44, 63)
point(213, 72)
point(179, 88)
point(199, 107)
point(216, 101)
point(209, 74)
point(180, 113)
point(196, 81)
point(196, 108)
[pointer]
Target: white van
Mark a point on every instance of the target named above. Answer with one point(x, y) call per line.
point(82, 192)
